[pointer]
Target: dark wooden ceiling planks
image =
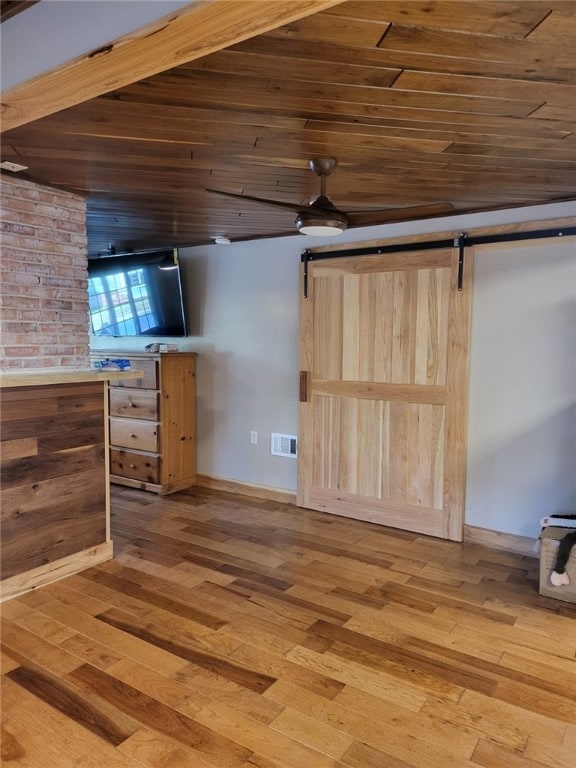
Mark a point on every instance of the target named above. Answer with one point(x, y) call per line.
point(468, 103)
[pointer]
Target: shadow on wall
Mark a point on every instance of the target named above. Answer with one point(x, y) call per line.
point(193, 270)
point(521, 480)
point(212, 376)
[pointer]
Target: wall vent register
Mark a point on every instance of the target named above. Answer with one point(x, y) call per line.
point(283, 445)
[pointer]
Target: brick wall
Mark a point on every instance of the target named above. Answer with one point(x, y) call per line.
point(43, 281)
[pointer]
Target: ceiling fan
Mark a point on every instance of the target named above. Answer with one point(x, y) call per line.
point(321, 218)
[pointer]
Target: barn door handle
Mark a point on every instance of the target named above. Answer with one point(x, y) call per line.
point(303, 386)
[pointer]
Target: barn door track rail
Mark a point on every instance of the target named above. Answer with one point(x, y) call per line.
point(462, 241)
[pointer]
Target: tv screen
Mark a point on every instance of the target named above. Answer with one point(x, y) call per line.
point(137, 294)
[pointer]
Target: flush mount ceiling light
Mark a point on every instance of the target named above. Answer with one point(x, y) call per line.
point(321, 223)
point(321, 218)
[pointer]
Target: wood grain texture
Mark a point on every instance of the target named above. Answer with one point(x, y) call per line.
point(141, 404)
point(466, 104)
point(153, 423)
point(238, 631)
point(54, 489)
point(182, 36)
point(30, 379)
point(383, 431)
point(47, 574)
point(113, 726)
point(134, 434)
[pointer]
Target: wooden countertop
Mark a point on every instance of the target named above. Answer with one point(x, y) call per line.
point(37, 377)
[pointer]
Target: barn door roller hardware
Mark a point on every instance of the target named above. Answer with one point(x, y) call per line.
point(305, 259)
point(461, 242)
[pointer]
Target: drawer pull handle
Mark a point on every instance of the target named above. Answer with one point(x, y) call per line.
point(132, 466)
point(134, 436)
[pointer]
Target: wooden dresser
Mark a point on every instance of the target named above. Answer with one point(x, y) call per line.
point(152, 422)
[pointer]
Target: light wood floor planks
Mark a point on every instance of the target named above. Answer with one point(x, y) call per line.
point(231, 632)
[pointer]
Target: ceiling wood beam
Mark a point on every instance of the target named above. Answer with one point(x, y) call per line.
point(198, 30)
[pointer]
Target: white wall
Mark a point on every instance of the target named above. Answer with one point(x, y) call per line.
point(248, 357)
point(51, 33)
point(522, 417)
point(243, 306)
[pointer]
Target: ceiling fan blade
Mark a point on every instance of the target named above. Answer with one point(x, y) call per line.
point(374, 217)
point(276, 203)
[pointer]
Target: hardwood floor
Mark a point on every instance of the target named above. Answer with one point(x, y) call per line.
point(231, 632)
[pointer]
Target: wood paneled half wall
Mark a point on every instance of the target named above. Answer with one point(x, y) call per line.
point(54, 483)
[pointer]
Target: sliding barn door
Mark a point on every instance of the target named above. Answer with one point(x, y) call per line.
point(384, 387)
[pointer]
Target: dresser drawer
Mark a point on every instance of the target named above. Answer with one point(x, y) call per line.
point(134, 404)
point(149, 379)
point(139, 466)
point(134, 433)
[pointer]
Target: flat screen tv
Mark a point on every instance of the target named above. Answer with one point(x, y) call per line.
point(136, 294)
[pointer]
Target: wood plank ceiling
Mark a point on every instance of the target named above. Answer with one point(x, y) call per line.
point(467, 103)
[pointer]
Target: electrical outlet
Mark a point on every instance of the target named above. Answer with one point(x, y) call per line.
point(254, 437)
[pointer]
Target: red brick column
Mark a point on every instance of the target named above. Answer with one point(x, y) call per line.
point(43, 282)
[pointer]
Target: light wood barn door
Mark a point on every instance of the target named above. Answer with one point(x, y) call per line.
point(384, 360)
